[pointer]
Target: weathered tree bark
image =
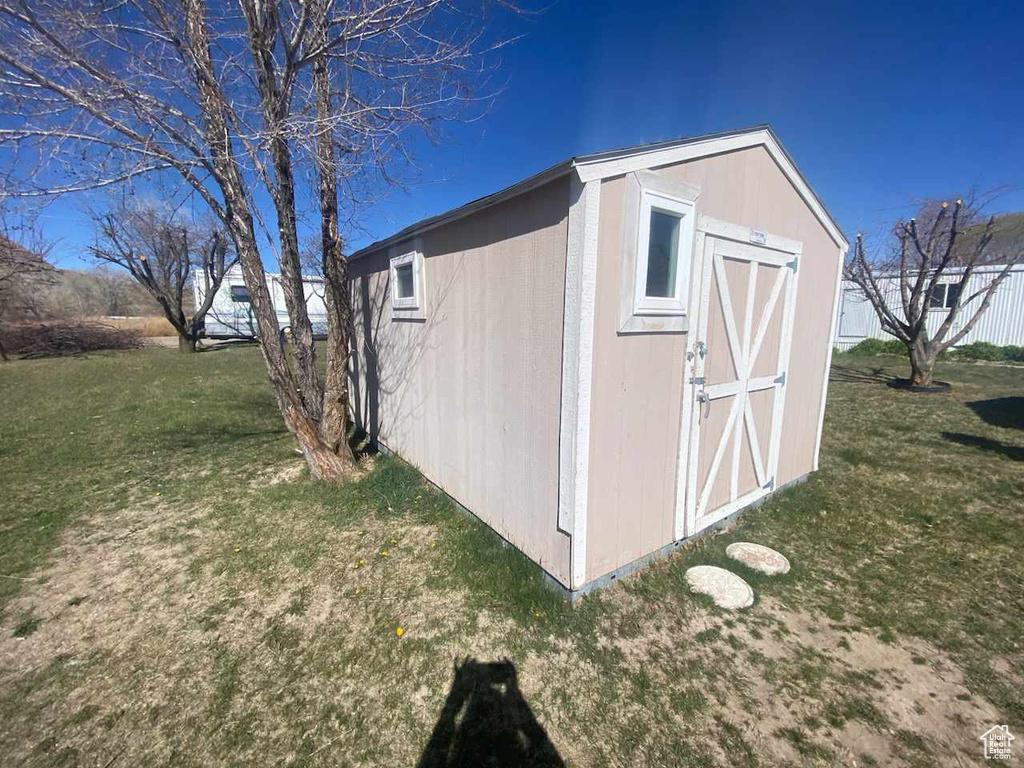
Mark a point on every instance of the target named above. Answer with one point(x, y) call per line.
point(922, 363)
point(334, 418)
point(187, 344)
point(322, 462)
point(275, 94)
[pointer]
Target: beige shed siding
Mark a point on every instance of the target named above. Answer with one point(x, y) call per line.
point(637, 386)
point(471, 395)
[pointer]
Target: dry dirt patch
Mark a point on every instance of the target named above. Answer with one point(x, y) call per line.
point(164, 658)
point(153, 643)
point(868, 697)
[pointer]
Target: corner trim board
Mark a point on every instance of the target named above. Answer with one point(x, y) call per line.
point(837, 302)
point(577, 370)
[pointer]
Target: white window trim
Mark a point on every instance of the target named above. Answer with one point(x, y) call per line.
point(643, 304)
point(944, 305)
point(639, 313)
point(409, 307)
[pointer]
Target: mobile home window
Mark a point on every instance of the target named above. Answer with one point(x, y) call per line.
point(407, 286)
point(239, 293)
point(664, 253)
point(945, 295)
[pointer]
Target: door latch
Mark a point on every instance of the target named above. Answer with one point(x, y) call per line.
point(704, 410)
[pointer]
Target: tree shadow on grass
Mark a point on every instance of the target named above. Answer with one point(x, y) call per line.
point(219, 345)
point(1014, 452)
point(486, 722)
point(859, 375)
point(1000, 411)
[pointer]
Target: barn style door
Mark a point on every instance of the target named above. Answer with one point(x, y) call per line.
point(739, 356)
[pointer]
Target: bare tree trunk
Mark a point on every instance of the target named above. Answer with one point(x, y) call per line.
point(291, 281)
point(274, 83)
point(337, 297)
point(930, 248)
point(187, 344)
point(322, 462)
point(922, 363)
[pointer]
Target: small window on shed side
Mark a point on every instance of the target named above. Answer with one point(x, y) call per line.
point(239, 293)
point(406, 277)
point(404, 282)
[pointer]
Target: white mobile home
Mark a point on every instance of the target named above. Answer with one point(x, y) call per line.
point(611, 356)
point(231, 317)
point(1002, 323)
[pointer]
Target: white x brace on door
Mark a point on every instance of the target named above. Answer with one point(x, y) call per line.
point(736, 375)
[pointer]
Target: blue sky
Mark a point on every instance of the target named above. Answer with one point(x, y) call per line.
point(879, 104)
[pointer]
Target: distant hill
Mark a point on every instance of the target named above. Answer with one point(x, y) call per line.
point(94, 293)
point(1007, 238)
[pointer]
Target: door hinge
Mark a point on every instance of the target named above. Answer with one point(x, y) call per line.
point(698, 380)
point(794, 263)
point(781, 378)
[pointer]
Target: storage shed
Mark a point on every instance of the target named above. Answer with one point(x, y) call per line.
point(610, 356)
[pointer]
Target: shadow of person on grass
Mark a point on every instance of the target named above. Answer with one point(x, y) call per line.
point(1014, 452)
point(486, 722)
point(1000, 411)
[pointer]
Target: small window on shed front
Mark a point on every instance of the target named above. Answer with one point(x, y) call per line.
point(239, 293)
point(664, 253)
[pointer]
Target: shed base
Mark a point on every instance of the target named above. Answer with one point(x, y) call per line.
point(629, 568)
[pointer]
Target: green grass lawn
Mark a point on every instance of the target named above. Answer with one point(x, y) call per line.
point(174, 590)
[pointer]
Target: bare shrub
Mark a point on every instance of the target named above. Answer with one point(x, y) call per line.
point(59, 339)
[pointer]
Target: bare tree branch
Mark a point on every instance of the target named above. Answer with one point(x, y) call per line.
point(956, 242)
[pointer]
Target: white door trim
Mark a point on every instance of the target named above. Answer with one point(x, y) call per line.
point(686, 412)
point(718, 240)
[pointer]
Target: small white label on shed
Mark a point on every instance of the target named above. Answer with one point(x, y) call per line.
point(759, 237)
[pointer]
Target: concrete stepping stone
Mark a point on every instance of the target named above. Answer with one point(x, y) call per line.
point(727, 589)
point(760, 558)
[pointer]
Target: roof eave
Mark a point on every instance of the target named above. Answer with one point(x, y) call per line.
point(615, 162)
point(424, 225)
